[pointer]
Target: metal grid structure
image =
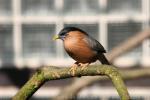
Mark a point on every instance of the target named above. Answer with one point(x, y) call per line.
point(35, 21)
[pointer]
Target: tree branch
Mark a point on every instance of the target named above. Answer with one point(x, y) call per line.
point(128, 45)
point(77, 85)
point(53, 73)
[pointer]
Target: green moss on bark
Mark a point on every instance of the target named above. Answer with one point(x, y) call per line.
point(53, 73)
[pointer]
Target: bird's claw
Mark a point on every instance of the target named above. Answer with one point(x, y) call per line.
point(73, 69)
point(54, 74)
point(84, 66)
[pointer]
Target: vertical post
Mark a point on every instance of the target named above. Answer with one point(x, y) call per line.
point(17, 38)
point(146, 43)
point(103, 31)
point(59, 25)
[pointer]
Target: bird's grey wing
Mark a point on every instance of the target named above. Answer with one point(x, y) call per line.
point(94, 44)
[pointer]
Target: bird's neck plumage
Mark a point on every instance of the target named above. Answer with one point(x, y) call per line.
point(73, 40)
point(70, 42)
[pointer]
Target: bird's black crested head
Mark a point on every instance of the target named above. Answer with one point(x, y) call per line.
point(66, 30)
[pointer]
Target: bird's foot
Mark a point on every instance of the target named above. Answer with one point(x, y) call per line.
point(84, 66)
point(73, 69)
point(55, 74)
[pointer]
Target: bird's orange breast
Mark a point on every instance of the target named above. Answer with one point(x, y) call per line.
point(78, 49)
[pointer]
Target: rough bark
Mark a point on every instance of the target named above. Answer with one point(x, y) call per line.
point(54, 73)
point(77, 85)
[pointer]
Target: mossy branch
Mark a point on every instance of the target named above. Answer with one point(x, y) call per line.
point(54, 73)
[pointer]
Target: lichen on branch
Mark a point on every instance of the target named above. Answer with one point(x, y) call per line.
point(54, 73)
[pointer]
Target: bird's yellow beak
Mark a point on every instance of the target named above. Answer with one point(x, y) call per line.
point(55, 37)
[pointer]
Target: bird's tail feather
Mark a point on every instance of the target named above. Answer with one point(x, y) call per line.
point(103, 59)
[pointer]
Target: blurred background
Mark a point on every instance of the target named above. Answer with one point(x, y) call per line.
point(27, 27)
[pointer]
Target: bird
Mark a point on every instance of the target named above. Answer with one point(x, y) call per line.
point(82, 47)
